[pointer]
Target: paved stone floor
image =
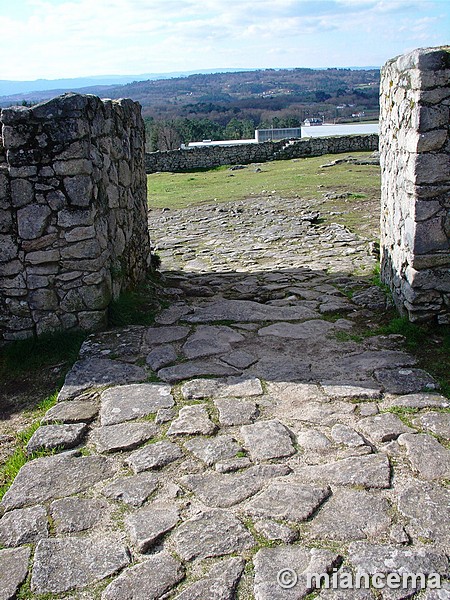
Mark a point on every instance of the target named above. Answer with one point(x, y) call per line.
point(249, 431)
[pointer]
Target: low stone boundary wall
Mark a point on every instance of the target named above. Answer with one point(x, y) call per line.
point(73, 212)
point(207, 157)
point(415, 200)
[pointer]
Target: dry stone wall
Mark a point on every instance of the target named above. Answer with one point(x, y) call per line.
point(207, 157)
point(73, 212)
point(415, 160)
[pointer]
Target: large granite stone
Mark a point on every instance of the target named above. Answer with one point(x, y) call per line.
point(247, 311)
point(420, 400)
point(288, 501)
point(124, 436)
point(436, 422)
point(55, 477)
point(239, 359)
point(405, 381)
point(344, 434)
point(352, 391)
point(384, 427)
point(307, 331)
point(196, 368)
point(211, 533)
point(270, 562)
point(50, 437)
point(317, 413)
point(154, 456)
point(372, 471)
point(77, 514)
point(351, 515)
point(128, 402)
point(13, 571)
point(23, 526)
point(148, 580)
point(210, 339)
point(161, 356)
point(147, 525)
point(96, 373)
point(267, 439)
point(164, 335)
point(373, 558)
point(427, 506)
point(237, 387)
point(213, 449)
point(133, 490)
point(73, 411)
point(63, 564)
point(426, 455)
point(219, 584)
point(274, 531)
point(236, 411)
point(192, 420)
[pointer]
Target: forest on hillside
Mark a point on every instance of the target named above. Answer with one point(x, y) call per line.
point(232, 105)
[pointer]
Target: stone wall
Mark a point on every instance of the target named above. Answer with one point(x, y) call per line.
point(415, 160)
point(207, 157)
point(73, 212)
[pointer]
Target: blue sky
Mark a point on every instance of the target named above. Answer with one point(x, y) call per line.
point(72, 38)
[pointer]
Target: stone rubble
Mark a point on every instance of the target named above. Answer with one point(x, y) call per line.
point(285, 448)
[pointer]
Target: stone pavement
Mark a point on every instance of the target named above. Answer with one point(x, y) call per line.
point(248, 431)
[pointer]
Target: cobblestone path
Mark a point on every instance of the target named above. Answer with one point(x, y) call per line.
point(248, 432)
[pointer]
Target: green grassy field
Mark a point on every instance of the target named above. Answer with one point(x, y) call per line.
point(302, 177)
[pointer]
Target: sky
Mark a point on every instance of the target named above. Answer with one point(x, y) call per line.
point(49, 39)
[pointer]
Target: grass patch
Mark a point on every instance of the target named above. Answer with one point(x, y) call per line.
point(136, 307)
point(33, 354)
point(15, 462)
point(287, 177)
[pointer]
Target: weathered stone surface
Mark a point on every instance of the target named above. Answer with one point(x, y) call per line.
point(239, 387)
point(349, 391)
point(192, 420)
point(48, 437)
point(426, 455)
point(303, 561)
point(384, 427)
point(236, 411)
point(98, 372)
point(372, 558)
point(405, 381)
point(344, 434)
point(239, 359)
point(213, 450)
point(317, 413)
point(64, 564)
point(292, 394)
point(211, 533)
point(436, 422)
point(427, 506)
point(154, 456)
point(267, 439)
point(73, 411)
point(133, 490)
point(274, 531)
point(247, 311)
point(124, 436)
point(210, 339)
point(147, 525)
point(233, 464)
point(161, 356)
point(313, 440)
point(421, 400)
point(290, 501)
point(219, 584)
point(351, 515)
point(310, 330)
point(148, 580)
point(370, 471)
point(13, 571)
point(54, 477)
point(165, 335)
point(170, 315)
point(23, 526)
point(77, 514)
point(195, 368)
point(128, 402)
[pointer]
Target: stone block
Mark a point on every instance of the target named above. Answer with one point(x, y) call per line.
point(79, 190)
point(22, 192)
point(32, 220)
